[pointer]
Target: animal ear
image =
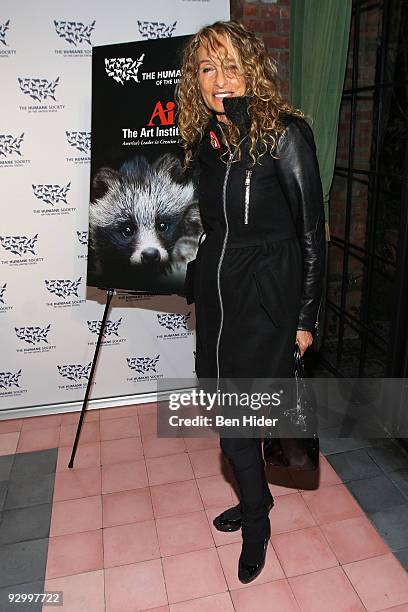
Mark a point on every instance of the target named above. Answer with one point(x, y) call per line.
point(102, 182)
point(192, 224)
point(170, 164)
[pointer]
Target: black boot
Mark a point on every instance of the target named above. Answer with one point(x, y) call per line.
point(231, 519)
point(252, 558)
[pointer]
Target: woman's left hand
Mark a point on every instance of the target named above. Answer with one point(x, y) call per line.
point(303, 339)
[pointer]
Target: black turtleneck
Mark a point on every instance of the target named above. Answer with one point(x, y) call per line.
point(236, 110)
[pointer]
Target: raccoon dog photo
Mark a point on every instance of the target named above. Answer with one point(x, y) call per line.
point(144, 225)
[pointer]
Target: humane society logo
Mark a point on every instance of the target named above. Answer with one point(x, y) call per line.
point(10, 146)
point(175, 324)
point(82, 238)
point(154, 29)
point(146, 367)
point(77, 373)
point(79, 140)
point(82, 142)
point(40, 90)
point(20, 246)
point(110, 336)
point(64, 288)
point(35, 336)
point(10, 384)
point(4, 306)
point(5, 50)
point(52, 194)
point(123, 69)
point(74, 34)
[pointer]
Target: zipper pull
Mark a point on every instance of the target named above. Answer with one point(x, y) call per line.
point(318, 312)
point(247, 192)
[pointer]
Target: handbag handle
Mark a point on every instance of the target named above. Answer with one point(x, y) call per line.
point(298, 363)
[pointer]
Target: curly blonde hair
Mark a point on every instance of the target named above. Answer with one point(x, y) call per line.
point(261, 86)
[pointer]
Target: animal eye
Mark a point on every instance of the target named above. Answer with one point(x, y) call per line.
point(162, 226)
point(127, 231)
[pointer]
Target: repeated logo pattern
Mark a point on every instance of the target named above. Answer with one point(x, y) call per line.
point(79, 140)
point(143, 364)
point(173, 321)
point(51, 194)
point(3, 29)
point(39, 89)
point(9, 379)
point(10, 144)
point(2, 292)
point(74, 372)
point(82, 237)
point(74, 32)
point(63, 287)
point(33, 335)
point(154, 29)
point(111, 327)
point(19, 245)
point(123, 69)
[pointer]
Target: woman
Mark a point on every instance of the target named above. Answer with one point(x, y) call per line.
point(258, 273)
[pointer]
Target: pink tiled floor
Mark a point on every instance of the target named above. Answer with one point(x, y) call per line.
point(132, 529)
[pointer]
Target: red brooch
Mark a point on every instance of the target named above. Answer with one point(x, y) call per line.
point(214, 141)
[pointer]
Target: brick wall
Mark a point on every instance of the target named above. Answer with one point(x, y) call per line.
point(269, 19)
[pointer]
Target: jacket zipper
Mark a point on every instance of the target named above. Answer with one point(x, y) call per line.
point(224, 244)
point(247, 192)
point(318, 312)
point(224, 205)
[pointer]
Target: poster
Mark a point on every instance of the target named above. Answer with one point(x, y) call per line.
point(144, 223)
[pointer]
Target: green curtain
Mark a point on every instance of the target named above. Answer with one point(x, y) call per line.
point(319, 34)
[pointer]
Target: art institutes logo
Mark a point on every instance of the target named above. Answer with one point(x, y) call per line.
point(41, 90)
point(53, 196)
point(11, 151)
point(160, 129)
point(174, 326)
point(79, 142)
point(34, 338)
point(66, 289)
point(76, 36)
point(5, 49)
point(21, 250)
point(145, 368)
point(111, 333)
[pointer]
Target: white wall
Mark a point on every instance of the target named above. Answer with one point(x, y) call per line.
point(41, 227)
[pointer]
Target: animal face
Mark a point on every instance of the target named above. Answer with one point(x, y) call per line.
point(138, 216)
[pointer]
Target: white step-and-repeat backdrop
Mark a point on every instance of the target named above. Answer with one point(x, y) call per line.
point(49, 320)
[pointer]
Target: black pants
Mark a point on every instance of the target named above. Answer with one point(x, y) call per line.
point(245, 456)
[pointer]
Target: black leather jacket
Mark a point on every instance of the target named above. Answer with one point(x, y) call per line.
point(298, 173)
point(293, 177)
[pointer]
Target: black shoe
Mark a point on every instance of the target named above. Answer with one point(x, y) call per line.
point(247, 572)
point(231, 519)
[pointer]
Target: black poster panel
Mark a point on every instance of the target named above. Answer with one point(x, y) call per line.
point(144, 223)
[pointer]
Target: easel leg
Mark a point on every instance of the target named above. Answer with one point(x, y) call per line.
point(109, 297)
